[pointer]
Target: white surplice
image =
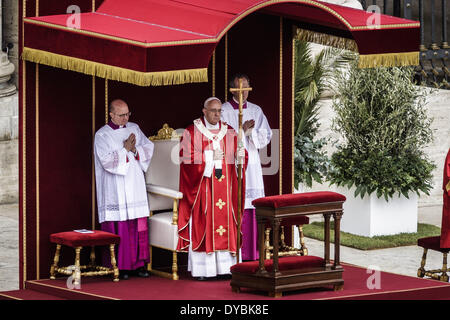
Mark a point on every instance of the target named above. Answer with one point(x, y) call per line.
point(120, 181)
point(258, 138)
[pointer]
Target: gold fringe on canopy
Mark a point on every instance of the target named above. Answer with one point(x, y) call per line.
point(389, 59)
point(365, 61)
point(326, 39)
point(101, 70)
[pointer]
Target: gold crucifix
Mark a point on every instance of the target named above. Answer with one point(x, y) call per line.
point(241, 91)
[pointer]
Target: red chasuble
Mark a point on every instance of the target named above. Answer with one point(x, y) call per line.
point(445, 227)
point(210, 201)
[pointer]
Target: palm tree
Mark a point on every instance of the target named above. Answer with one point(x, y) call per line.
point(313, 75)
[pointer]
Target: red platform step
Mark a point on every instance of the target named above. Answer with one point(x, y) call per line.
point(27, 295)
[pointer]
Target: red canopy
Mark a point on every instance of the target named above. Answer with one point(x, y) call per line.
point(159, 42)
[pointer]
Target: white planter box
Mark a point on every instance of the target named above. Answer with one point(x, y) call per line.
point(372, 216)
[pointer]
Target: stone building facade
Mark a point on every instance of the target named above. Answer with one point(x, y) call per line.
point(9, 104)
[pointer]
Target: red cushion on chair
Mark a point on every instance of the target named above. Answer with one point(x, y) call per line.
point(297, 199)
point(284, 264)
point(432, 243)
point(77, 239)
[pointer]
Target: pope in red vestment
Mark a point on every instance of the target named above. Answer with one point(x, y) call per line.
point(207, 220)
point(445, 227)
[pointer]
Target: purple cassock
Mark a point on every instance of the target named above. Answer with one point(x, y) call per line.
point(132, 252)
point(249, 227)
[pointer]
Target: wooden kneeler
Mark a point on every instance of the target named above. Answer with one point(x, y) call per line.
point(281, 274)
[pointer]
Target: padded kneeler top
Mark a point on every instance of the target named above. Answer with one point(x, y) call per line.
point(77, 239)
point(298, 199)
point(432, 243)
point(284, 264)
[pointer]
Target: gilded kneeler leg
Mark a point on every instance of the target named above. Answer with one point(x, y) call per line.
point(113, 263)
point(77, 272)
point(304, 250)
point(267, 244)
point(282, 242)
point(421, 271)
point(444, 276)
point(174, 266)
point(54, 266)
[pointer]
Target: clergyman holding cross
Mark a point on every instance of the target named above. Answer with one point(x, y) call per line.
point(208, 213)
point(257, 135)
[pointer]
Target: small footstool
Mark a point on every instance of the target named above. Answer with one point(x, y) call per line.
point(433, 243)
point(77, 241)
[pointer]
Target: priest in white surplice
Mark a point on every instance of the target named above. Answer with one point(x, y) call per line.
point(257, 135)
point(122, 155)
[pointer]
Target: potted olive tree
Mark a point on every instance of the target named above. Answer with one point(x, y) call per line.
point(380, 164)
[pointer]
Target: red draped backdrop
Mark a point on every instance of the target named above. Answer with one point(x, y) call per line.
point(56, 173)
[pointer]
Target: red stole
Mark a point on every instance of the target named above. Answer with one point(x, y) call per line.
point(445, 226)
point(209, 201)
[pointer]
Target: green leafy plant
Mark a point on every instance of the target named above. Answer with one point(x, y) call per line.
point(312, 78)
point(310, 160)
point(382, 118)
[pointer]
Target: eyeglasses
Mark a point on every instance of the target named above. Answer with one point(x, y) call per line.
point(123, 115)
point(215, 111)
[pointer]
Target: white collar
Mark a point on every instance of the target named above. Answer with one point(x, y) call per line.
point(211, 126)
point(208, 134)
point(238, 102)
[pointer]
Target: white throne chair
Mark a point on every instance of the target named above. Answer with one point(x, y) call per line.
point(162, 179)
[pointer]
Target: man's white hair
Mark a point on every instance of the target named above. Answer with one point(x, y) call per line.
point(208, 101)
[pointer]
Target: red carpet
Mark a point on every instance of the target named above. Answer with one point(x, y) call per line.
point(392, 287)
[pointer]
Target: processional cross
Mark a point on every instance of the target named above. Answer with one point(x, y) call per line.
point(241, 91)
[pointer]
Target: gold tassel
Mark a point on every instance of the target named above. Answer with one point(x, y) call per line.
point(447, 187)
point(101, 70)
point(389, 59)
point(326, 39)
